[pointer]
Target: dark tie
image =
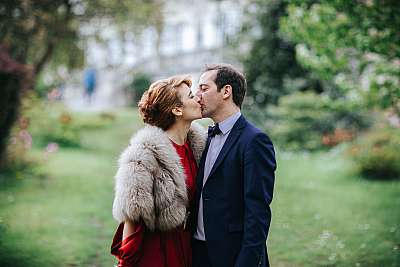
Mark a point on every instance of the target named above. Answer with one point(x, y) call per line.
point(213, 131)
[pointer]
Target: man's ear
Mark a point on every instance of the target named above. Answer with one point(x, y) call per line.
point(177, 111)
point(227, 90)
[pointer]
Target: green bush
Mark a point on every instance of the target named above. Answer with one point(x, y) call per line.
point(310, 121)
point(93, 122)
point(50, 122)
point(377, 154)
point(62, 130)
point(19, 143)
point(139, 85)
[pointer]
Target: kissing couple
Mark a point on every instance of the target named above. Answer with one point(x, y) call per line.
point(187, 197)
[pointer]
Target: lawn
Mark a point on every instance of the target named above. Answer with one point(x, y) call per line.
point(59, 213)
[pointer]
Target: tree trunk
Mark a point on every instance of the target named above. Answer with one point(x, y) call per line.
point(9, 107)
point(14, 79)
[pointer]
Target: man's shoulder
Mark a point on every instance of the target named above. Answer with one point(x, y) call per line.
point(253, 131)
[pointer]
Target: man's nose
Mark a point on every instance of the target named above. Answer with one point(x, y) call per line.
point(198, 94)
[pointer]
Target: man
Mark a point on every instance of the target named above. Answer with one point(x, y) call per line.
point(235, 179)
point(89, 81)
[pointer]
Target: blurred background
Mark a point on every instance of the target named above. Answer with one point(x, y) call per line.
point(323, 83)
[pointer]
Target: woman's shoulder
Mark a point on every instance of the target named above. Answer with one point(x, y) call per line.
point(198, 131)
point(148, 135)
point(197, 136)
point(145, 143)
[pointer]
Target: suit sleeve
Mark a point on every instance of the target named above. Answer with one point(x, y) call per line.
point(259, 177)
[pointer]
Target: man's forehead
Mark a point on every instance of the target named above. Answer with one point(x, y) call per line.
point(207, 77)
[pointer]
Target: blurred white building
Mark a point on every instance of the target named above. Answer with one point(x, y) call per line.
point(195, 33)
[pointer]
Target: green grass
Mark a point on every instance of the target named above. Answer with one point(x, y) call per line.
point(326, 215)
point(59, 214)
point(64, 218)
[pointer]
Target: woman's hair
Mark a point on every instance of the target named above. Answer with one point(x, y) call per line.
point(157, 102)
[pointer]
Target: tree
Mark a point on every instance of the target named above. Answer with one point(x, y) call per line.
point(140, 83)
point(36, 33)
point(271, 66)
point(353, 44)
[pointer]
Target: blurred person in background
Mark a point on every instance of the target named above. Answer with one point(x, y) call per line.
point(155, 181)
point(89, 81)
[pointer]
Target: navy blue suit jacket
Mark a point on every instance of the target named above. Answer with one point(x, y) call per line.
point(237, 197)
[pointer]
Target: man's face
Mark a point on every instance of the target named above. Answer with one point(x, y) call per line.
point(210, 98)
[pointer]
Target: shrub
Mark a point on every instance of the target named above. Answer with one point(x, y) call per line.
point(94, 122)
point(19, 144)
point(377, 153)
point(61, 130)
point(43, 124)
point(50, 122)
point(139, 85)
point(310, 121)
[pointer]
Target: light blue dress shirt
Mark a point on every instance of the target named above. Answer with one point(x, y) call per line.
point(216, 144)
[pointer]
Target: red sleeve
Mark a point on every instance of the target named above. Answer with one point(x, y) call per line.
point(127, 251)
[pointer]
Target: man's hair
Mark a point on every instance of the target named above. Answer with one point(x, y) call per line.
point(160, 99)
point(228, 75)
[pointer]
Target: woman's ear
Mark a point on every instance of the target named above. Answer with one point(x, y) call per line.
point(177, 111)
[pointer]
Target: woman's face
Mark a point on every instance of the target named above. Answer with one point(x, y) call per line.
point(191, 108)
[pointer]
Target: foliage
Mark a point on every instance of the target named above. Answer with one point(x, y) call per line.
point(330, 216)
point(93, 121)
point(353, 44)
point(76, 191)
point(48, 125)
point(140, 83)
point(377, 154)
point(271, 66)
point(50, 122)
point(310, 121)
point(20, 143)
point(34, 34)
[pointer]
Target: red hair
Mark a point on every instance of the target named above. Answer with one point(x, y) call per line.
point(157, 102)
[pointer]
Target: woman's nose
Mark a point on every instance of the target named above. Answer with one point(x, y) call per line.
point(197, 98)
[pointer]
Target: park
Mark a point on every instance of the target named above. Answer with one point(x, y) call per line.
point(323, 82)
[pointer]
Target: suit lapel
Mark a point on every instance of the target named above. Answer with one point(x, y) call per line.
point(233, 136)
point(200, 173)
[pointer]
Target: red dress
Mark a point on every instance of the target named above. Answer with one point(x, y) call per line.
point(171, 248)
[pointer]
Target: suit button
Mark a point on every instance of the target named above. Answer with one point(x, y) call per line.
point(206, 199)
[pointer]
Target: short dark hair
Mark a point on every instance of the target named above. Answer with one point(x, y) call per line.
point(228, 75)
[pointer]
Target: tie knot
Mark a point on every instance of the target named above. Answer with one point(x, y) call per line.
point(213, 131)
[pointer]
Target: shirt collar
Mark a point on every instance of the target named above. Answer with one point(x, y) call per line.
point(226, 125)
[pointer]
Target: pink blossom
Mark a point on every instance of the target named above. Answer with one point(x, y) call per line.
point(51, 148)
point(26, 138)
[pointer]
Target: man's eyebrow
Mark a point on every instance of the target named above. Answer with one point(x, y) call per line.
point(203, 84)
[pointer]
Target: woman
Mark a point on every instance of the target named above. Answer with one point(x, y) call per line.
point(155, 182)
